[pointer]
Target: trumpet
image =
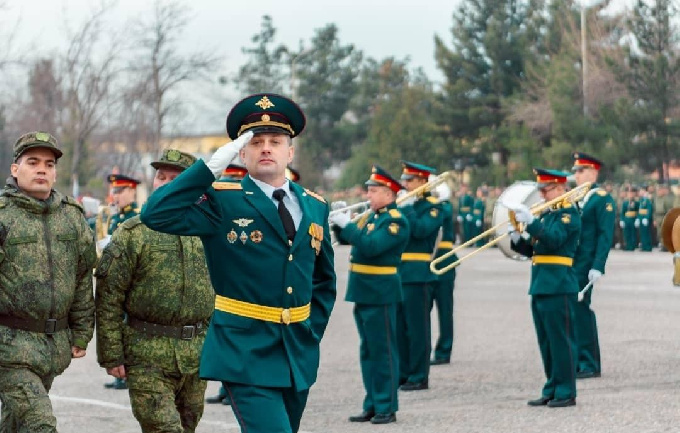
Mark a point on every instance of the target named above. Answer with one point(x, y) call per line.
point(573, 195)
point(360, 205)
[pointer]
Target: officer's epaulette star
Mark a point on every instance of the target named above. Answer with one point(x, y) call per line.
point(432, 199)
point(394, 213)
point(315, 195)
point(601, 192)
point(226, 186)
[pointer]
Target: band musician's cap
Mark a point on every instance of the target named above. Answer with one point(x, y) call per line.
point(545, 177)
point(265, 112)
point(35, 139)
point(119, 181)
point(582, 160)
point(380, 177)
point(411, 170)
point(234, 172)
point(292, 174)
point(175, 159)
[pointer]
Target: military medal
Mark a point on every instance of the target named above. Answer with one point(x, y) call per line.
point(244, 237)
point(243, 222)
point(370, 227)
point(316, 231)
point(232, 236)
point(256, 236)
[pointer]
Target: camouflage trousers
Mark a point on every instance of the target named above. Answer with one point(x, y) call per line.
point(26, 406)
point(168, 402)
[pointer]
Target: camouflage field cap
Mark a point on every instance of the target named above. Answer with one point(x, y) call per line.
point(174, 158)
point(36, 139)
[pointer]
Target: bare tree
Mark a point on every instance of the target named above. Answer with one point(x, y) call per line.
point(160, 68)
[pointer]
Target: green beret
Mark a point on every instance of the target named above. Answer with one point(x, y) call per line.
point(34, 139)
point(174, 158)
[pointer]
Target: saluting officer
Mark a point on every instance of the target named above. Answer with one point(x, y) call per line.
point(629, 209)
point(552, 243)
point(644, 220)
point(124, 191)
point(441, 289)
point(597, 230)
point(424, 217)
point(374, 285)
point(465, 203)
point(160, 282)
point(270, 259)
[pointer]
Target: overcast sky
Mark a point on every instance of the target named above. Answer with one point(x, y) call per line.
point(380, 28)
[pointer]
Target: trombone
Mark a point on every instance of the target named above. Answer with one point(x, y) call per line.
point(360, 205)
point(573, 195)
point(422, 189)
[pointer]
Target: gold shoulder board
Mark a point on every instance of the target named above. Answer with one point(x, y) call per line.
point(601, 192)
point(226, 186)
point(432, 199)
point(394, 213)
point(315, 195)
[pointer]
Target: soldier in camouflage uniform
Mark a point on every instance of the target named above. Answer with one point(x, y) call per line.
point(160, 282)
point(46, 308)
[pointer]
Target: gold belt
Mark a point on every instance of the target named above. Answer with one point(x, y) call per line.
point(630, 214)
point(643, 211)
point(372, 270)
point(261, 312)
point(416, 257)
point(445, 244)
point(552, 260)
point(465, 209)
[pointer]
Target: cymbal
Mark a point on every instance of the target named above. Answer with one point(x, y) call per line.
point(669, 233)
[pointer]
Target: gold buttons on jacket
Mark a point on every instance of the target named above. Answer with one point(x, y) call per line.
point(289, 290)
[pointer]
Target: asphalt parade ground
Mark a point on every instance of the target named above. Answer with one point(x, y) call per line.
point(494, 370)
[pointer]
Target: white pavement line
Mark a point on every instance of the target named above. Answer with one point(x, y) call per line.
point(92, 402)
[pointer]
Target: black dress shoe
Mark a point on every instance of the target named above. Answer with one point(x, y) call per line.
point(384, 418)
point(587, 374)
point(562, 402)
point(414, 386)
point(539, 401)
point(219, 398)
point(364, 416)
point(440, 361)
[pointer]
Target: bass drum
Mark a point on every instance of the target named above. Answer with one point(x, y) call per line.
point(525, 192)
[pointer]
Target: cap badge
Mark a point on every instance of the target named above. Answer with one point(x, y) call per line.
point(265, 118)
point(264, 103)
point(174, 155)
point(42, 136)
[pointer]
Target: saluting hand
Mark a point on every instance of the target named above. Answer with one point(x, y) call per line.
point(227, 153)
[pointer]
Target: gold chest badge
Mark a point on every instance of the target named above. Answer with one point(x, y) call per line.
point(316, 231)
point(566, 218)
point(232, 236)
point(370, 227)
point(256, 236)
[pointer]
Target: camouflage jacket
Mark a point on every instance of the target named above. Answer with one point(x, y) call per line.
point(157, 278)
point(47, 254)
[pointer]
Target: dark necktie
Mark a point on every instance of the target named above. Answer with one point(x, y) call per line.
point(286, 219)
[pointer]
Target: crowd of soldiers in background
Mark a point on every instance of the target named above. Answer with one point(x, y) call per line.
point(639, 211)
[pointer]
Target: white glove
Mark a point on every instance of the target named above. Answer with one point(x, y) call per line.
point(340, 219)
point(645, 222)
point(522, 213)
point(622, 224)
point(478, 223)
point(227, 153)
point(338, 205)
point(468, 217)
point(594, 275)
point(443, 191)
point(459, 218)
point(408, 202)
point(637, 223)
point(514, 234)
point(103, 242)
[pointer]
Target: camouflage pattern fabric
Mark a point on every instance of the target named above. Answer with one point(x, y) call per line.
point(47, 254)
point(162, 279)
point(25, 403)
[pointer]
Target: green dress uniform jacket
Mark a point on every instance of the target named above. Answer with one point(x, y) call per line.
point(254, 269)
point(478, 210)
point(413, 316)
point(374, 285)
point(465, 204)
point(597, 230)
point(628, 216)
point(441, 292)
point(125, 214)
point(46, 306)
point(645, 221)
point(552, 247)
